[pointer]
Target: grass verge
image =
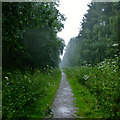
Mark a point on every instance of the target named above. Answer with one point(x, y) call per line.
point(29, 96)
point(96, 90)
point(85, 101)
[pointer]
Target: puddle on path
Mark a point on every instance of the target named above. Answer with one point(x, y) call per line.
point(63, 106)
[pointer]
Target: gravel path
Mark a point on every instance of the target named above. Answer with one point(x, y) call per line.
point(63, 106)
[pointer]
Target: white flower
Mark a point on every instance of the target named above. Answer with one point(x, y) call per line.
point(114, 45)
point(6, 78)
point(113, 62)
point(85, 77)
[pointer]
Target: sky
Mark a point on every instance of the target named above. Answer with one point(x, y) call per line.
point(74, 10)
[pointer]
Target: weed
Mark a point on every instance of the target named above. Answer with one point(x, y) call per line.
point(29, 96)
point(96, 89)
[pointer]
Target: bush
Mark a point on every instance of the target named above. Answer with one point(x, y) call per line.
point(22, 92)
point(103, 81)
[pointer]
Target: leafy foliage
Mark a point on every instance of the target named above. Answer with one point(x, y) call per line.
point(98, 37)
point(94, 55)
point(28, 25)
point(103, 82)
point(31, 52)
point(42, 45)
point(25, 95)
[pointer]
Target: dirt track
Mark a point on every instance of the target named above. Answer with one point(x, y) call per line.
point(63, 106)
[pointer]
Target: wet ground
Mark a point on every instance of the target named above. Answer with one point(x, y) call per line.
point(63, 105)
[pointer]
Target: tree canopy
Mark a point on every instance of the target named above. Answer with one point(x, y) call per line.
point(98, 37)
point(30, 35)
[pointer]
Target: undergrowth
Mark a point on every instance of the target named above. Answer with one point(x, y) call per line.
point(96, 89)
point(29, 96)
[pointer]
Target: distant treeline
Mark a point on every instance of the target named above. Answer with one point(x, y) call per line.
point(98, 38)
point(29, 35)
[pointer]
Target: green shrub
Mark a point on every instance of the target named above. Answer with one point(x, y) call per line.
point(23, 93)
point(103, 82)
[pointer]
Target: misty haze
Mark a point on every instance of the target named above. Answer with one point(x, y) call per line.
point(60, 60)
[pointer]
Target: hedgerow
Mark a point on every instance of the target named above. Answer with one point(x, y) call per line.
point(103, 82)
point(24, 94)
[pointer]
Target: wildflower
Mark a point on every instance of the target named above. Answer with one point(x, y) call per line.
point(6, 78)
point(113, 62)
point(114, 45)
point(85, 77)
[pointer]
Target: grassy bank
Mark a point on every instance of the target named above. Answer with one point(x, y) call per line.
point(96, 90)
point(29, 96)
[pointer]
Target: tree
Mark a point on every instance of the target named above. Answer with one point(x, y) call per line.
point(98, 37)
point(19, 21)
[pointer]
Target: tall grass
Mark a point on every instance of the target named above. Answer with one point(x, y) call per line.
point(29, 96)
point(99, 87)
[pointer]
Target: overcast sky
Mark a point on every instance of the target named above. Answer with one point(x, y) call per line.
point(74, 11)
